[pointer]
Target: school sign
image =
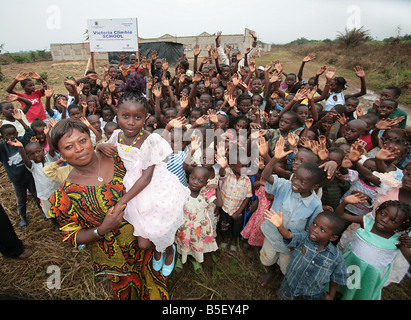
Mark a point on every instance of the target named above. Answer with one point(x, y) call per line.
point(110, 35)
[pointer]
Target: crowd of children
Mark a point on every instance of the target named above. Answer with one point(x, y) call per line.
point(225, 152)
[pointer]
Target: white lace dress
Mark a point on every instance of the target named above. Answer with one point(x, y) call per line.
point(157, 211)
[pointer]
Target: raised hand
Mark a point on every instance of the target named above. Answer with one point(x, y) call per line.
point(359, 71)
point(34, 75)
point(323, 151)
point(388, 153)
point(22, 76)
point(330, 73)
point(16, 114)
point(279, 152)
point(184, 102)
point(157, 91)
point(292, 141)
point(10, 97)
point(212, 115)
point(308, 123)
point(355, 198)
point(356, 151)
point(195, 143)
point(321, 70)
point(262, 146)
point(201, 120)
point(309, 58)
point(342, 119)
point(274, 218)
point(305, 142)
point(310, 94)
point(15, 143)
point(52, 122)
point(49, 92)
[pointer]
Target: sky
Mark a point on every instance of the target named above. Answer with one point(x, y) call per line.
point(33, 25)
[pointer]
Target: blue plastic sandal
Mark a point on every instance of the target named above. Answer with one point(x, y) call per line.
point(167, 269)
point(157, 264)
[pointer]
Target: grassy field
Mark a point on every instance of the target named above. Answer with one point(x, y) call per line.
point(225, 275)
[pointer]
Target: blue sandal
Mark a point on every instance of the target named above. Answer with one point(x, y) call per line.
point(167, 269)
point(158, 264)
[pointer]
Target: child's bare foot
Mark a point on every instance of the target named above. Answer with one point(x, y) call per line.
point(265, 278)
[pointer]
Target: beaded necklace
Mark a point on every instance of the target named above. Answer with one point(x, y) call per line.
point(134, 141)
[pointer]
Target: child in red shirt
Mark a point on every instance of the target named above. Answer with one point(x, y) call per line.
point(36, 109)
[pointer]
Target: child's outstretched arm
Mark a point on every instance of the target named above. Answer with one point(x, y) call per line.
point(308, 58)
point(49, 93)
point(277, 220)
point(351, 199)
point(138, 186)
point(14, 97)
point(17, 115)
point(16, 143)
point(386, 155)
point(360, 73)
point(36, 76)
point(20, 77)
point(354, 156)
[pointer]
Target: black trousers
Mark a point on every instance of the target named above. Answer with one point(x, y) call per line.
point(226, 223)
point(10, 245)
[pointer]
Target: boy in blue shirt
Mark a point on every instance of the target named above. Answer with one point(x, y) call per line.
point(315, 261)
point(296, 199)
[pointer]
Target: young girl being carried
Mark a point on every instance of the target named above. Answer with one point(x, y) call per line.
point(155, 197)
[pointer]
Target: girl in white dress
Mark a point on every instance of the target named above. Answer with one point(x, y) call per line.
point(155, 197)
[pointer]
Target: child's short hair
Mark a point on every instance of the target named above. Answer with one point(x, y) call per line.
point(3, 103)
point(244, 96)
point(336, 150)
point(73, 106)
point(37, 123)
point(355, 99)
point(340, 108)
point(293, 115)
point(394, 102)
point(337, 223)
point(314, 157)
point(298, 106)
point(204, 170)
point(312, 167)
point(111, 124)
point(107, 108)
point(5, 127)
point(25, 81)
point(397, 90)
point(371, 116)
point(31, 144)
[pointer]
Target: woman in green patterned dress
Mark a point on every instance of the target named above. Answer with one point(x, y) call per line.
point(83, 207)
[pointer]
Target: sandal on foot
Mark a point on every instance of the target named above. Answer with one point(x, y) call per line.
point(168, 268)
point(158, 264)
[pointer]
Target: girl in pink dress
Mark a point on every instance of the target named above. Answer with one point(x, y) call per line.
point(252, 230)
point(155, 197)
